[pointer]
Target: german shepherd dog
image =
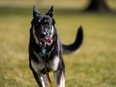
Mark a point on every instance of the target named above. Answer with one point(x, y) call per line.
point(46, 50)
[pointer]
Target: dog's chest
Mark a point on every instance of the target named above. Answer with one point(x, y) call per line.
point(39, 66)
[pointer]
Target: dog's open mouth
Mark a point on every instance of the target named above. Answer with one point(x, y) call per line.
point(47, 41)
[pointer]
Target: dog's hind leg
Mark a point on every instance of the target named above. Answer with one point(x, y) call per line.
point(60, 78)
point(39, 79)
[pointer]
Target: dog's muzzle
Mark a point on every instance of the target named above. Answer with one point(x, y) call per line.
point(44, 36)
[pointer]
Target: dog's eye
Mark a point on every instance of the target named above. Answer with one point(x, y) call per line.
point(50, 27)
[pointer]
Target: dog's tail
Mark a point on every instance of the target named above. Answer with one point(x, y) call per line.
point(74, 47)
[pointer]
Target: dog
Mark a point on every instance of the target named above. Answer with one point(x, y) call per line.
point(46, 49)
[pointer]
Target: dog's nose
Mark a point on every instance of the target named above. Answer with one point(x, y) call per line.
point(43, 34)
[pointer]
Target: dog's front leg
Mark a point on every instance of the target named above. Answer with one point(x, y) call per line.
point(59, 78)
point(40, 79)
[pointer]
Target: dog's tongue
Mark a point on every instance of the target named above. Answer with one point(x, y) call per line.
point(48, 41)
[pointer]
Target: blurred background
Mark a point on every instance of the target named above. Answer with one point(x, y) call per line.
point(93, 66)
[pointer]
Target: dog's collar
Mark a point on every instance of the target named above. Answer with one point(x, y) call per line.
point(44, 52)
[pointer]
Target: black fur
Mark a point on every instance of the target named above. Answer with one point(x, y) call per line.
point(44, 38)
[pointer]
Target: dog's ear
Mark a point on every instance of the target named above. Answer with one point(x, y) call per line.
point(35, 11)
point(50, 12)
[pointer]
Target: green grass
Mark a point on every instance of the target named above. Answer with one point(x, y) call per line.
point(93, 66)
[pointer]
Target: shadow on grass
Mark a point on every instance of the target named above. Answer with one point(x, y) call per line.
point(6, 10)
point(21, 11)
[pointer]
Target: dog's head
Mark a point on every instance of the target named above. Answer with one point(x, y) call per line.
point(43, 27)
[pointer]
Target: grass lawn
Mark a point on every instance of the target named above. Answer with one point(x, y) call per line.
point(93, 66)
